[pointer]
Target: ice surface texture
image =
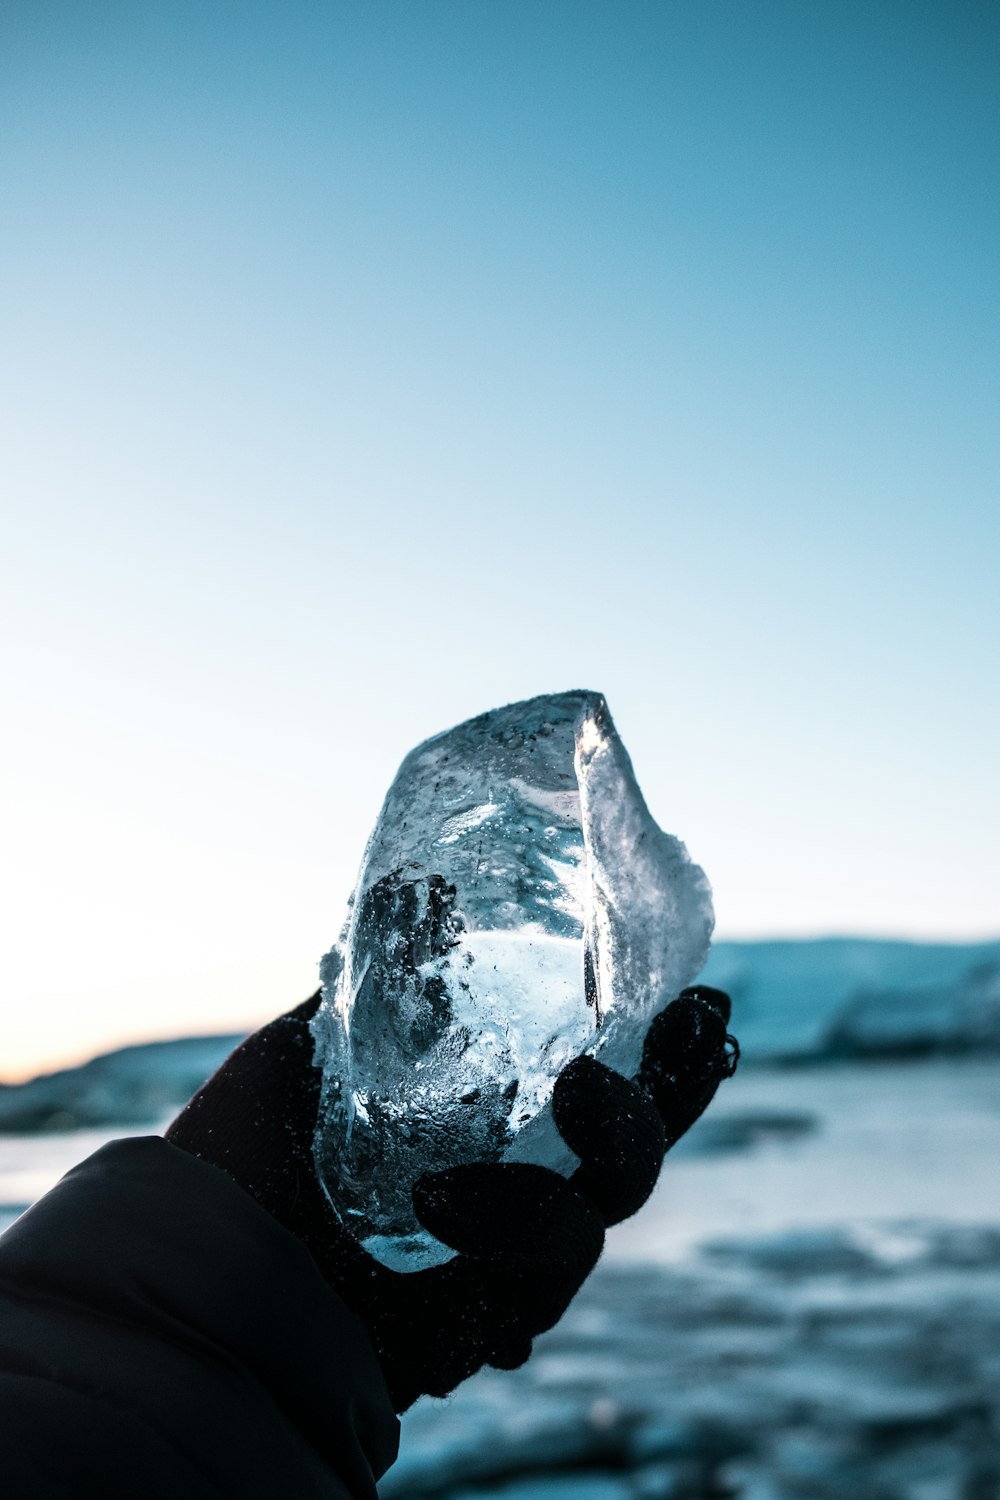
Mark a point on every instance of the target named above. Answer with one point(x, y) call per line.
point(516, 906)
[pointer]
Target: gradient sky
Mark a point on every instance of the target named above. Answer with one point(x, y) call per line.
point(367, 365)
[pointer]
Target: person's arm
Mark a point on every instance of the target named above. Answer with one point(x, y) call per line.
point(162, 1335)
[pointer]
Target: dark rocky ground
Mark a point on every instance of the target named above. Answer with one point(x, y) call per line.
point(799, 1366)
point(807, 1309)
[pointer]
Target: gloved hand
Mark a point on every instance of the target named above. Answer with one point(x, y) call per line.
point(526, 1238)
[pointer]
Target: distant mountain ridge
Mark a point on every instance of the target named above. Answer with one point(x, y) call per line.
point(138, 1085)
point(794, 1001)
point(812, 999)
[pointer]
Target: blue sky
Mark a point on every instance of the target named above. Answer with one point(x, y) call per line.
point(372, 364)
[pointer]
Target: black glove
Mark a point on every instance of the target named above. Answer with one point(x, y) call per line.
point(526, 1237)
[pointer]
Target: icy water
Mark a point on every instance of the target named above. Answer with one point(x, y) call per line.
point(851, 1146)
point(808, 1309)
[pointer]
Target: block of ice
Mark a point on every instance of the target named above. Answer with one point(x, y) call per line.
point(516, 906)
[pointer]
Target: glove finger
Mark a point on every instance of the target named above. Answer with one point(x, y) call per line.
point(513, 1212)
point(717, 999)
point(686, 1043)
point(510, 1352)
point(687, 1054)
point(685, 1110)
point(616, 1131)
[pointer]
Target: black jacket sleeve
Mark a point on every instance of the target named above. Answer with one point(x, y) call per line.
point(161, 1335)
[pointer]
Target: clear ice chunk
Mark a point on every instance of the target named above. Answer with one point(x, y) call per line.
point(516, 906)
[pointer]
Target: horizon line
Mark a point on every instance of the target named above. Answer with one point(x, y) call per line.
point(76, 1058)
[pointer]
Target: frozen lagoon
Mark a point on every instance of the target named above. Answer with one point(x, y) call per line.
point(808, 1307)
